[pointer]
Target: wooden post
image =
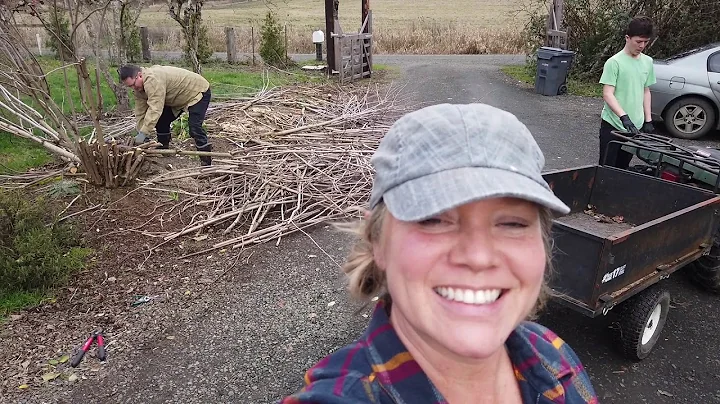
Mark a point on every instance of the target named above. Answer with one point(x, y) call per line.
point(555, 35)
point(230, 44)
point(330, 12)
point(286, 43)
point(366, 23)
point(145, 42)
point(252, 39)
point(559, 17)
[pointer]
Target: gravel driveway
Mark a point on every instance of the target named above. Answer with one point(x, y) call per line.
point(251, 339)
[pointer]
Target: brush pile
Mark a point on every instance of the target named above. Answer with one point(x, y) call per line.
point(301, 156)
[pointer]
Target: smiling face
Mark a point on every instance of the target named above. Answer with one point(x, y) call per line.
point(635, 45)
point(460, 282)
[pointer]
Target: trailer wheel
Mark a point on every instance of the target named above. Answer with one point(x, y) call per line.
point(705, 271)
point(642, 318)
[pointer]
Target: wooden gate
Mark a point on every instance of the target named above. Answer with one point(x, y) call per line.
point(353, 52)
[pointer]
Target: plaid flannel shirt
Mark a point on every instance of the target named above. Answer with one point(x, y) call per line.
point(377, 368)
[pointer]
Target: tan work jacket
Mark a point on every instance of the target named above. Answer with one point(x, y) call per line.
point(166, 86)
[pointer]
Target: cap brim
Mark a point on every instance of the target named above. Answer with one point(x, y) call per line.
point(427, 196)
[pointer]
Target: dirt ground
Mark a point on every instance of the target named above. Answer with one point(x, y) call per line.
point(123, 232)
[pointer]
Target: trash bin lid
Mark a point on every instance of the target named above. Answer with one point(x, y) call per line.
point(547, 52)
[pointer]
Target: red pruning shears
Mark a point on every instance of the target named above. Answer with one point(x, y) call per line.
point(100, 354)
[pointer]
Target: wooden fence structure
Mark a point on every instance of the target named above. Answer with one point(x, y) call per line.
point(353, 51)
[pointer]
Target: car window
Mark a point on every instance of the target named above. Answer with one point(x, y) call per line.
point(714, 63)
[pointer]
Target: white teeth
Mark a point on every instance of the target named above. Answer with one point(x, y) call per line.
point(469, 296)
point(458, 295)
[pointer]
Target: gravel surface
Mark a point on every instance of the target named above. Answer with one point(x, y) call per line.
point(249, 336)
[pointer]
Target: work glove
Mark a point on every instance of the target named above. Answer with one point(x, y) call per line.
point(140, 138)
point(647, 128)
point(629, 126)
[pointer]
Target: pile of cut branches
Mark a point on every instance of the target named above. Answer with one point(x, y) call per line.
point(302, 157)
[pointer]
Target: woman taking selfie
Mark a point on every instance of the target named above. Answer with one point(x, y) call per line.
point(457, 247)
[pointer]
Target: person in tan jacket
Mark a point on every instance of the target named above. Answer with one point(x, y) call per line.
point(162, 93)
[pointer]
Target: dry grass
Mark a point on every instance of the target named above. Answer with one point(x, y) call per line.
point(400, 26)
point(311, 13)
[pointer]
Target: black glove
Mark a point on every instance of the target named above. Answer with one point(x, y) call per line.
point(627, 123)
point(647, 128)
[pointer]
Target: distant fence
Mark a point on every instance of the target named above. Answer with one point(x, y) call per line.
point(402, 38)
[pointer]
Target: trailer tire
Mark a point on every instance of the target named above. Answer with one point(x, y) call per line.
point(642, 318)
point(705, 271)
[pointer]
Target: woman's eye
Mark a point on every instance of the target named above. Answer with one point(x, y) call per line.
point(514, 225)
point(433, 221)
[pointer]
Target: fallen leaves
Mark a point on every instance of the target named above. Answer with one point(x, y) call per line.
point(601, 217)
point(50, 376)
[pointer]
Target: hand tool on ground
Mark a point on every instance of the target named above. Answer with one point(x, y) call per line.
point(101, 354)
point(143, 299)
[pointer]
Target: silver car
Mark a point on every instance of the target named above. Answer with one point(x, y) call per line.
point(687, 93)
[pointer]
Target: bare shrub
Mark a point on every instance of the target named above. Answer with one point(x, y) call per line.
point(596, 28)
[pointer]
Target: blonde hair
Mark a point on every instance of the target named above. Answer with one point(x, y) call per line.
point(366, 280)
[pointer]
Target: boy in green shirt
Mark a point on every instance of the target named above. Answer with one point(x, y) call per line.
point(626, 79)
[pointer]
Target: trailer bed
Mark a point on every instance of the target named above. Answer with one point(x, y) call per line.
point(600, 264)
point(584, 222)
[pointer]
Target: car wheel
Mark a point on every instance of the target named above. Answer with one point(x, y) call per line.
point(690, 118)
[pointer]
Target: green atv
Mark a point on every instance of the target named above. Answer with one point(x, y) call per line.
point(698, 167)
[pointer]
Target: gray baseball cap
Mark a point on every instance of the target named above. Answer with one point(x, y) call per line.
point(443, 156)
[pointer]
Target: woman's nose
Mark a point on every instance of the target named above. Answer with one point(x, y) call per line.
point(475, 250)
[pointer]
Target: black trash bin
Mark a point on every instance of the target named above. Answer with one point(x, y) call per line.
point(553, 65)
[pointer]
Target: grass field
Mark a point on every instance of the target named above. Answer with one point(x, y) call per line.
point(399, 26)
point(311, 13)
point(17, 154)
point(227, 81)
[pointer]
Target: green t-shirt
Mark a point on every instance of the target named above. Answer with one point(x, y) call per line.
point(629, 76)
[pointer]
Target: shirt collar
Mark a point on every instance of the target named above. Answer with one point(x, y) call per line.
point(534, 352)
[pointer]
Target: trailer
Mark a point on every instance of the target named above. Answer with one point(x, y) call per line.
point(626, 232)
point(695, 166)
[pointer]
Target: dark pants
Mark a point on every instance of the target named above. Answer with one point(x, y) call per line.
point(615, 157)
point(195, 121)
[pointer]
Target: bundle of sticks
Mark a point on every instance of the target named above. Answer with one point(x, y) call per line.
point(111, 164)
point(302, 158)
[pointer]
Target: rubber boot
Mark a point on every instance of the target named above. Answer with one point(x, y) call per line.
point(205, 160)
point(164, 140)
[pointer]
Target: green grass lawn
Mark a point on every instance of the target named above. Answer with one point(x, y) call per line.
point(17, 154)
point(575, 87)
point(227, 81)
point(11, 302)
